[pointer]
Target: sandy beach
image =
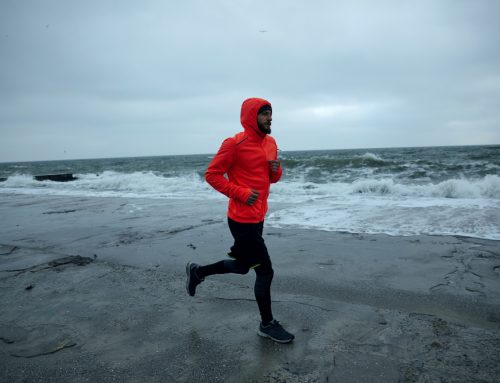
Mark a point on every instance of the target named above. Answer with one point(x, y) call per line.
point(93, 290)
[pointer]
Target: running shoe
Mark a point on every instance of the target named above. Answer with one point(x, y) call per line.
point(275, 332)
point(192, 279)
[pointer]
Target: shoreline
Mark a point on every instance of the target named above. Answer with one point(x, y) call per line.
point(363, 307)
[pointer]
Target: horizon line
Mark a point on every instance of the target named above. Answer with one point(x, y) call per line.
point(281, 150)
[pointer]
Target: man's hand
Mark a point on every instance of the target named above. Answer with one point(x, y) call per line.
point(253, 197)
point(274, 165)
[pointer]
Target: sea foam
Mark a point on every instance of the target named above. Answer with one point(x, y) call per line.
point(371, 205)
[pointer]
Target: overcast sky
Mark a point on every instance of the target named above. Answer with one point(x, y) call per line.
point(96, 78)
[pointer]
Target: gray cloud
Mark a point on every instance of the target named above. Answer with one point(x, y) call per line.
point(104, 79)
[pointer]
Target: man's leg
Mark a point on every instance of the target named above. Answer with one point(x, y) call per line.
point(249, 246)
point(262, 289)
point(269, 327)
point(248, 251)
point(263, 277)
point(196, 273)
point(222, 267)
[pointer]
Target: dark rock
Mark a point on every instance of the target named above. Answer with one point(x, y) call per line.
point(72, 259)
point(56, 177)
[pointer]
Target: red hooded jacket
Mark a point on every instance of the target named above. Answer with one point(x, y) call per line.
point(244, 159)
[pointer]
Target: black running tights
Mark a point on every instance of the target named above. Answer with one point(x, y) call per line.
point(248, 252)
point(262, 287)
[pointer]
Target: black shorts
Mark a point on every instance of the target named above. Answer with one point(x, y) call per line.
point(249, 248)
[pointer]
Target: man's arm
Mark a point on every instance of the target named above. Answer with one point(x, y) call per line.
point(219, 166)
point(275, 170)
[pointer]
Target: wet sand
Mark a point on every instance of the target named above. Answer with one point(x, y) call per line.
point(93, 290)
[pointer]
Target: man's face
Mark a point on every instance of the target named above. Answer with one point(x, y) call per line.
point(264, 121)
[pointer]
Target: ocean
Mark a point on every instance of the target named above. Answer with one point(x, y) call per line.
point(396, 191)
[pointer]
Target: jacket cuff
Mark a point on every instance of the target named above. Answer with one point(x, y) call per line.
point(243, 194)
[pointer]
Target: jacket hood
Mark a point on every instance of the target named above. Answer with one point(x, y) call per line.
point(248, 117)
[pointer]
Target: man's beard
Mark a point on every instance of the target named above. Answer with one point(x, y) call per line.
point(264, 129)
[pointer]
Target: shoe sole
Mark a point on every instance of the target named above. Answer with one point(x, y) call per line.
point(264, 335)
point(188, 273)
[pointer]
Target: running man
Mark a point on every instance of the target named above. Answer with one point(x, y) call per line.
point(250, 161)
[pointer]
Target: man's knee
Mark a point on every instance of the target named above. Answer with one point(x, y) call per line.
point(263, 282)
point(264, 270)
